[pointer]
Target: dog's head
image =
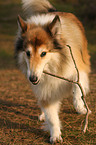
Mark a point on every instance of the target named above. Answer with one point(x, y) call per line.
point(38, 45)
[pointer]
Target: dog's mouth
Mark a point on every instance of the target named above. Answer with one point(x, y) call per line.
point(35, 82)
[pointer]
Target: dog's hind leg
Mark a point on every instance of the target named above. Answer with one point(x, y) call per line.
point(77, 100)
point(42, 117)
point(52, 120)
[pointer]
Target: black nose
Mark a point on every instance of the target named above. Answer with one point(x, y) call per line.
point(33, 78)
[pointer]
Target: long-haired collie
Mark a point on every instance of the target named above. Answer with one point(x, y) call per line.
point(41, 45)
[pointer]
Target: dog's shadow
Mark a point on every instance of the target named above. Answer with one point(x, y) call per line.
point(8, 123)
point(34, 128)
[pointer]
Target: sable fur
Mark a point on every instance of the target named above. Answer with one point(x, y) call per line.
point(41, 45)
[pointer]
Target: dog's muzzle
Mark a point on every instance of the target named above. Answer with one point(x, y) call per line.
point(34, 79)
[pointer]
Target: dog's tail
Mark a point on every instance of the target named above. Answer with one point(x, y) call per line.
point(33, 7)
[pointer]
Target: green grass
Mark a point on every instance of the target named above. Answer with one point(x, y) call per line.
point(19, 112)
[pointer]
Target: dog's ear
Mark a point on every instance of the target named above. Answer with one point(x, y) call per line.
point(22, 24)
point(54, 25)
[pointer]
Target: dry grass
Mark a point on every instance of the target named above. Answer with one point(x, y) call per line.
point(19, 111)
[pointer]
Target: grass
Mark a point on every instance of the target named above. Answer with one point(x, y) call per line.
point(19, 111)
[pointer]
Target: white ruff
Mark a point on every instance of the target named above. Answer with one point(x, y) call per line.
point(41, 19)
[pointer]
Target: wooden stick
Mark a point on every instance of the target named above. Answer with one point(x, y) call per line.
point(79, 85)
point(74, 62)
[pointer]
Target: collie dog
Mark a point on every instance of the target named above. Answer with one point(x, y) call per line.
point(41, 45)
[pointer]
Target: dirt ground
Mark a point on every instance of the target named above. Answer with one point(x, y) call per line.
point(19, 111)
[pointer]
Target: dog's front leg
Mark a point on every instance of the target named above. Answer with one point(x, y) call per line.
point(53, 122)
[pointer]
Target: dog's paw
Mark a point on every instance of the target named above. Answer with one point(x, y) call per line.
point(42, 117)
point(83, 111)
point(56, 139)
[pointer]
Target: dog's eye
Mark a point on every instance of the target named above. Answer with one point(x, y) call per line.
point(28, 53)
point(43, 54)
